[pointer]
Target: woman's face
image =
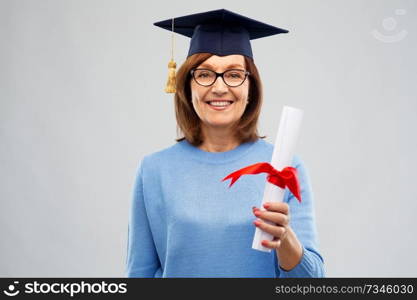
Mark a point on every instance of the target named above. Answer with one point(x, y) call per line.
point(203, 97)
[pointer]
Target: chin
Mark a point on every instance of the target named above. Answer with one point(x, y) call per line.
point(220, 124)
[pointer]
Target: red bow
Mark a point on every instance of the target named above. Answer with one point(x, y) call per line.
point(286, 177)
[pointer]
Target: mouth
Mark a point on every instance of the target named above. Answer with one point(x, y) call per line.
point(219, 104)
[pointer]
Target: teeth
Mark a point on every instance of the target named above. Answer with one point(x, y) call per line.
point(220, 103)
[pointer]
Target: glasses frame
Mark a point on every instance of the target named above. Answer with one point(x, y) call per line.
point(247, 73)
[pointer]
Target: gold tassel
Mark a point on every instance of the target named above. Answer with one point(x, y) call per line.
point(172, 81)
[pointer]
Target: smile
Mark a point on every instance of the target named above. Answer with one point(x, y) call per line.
point(219, 105)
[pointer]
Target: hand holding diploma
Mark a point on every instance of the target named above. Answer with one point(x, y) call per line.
point(288, 247)
point(276, 213)
point(274, 232)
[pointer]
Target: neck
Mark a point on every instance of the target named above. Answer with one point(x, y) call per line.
point(218, 139)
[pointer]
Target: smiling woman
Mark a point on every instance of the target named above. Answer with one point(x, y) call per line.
point(196, 117)
point(183, 220)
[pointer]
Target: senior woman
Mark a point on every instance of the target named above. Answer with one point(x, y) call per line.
point(184, 221)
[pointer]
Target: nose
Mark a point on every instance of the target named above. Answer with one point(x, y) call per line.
point(219, 86)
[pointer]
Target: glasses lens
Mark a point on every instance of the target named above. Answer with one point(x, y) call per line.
point(204, 77)
point(234, 77)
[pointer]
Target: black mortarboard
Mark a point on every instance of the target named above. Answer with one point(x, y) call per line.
point(220, 32)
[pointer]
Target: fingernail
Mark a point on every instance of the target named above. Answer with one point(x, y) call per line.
point(257, 213)
point(267, 205)
point(264, 243)
point(257, 223)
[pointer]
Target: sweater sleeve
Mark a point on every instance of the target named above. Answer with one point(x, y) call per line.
point(302, 221)
point(142, 259)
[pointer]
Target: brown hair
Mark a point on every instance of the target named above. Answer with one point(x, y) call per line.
point(189, 123)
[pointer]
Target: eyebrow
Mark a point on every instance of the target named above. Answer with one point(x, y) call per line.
point(231, 65)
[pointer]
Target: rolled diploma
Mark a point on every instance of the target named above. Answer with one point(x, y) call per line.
point(282, 157)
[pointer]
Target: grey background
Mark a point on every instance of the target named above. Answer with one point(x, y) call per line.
point(81, 91)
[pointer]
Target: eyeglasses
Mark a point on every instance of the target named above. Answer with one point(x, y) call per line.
point(232, 78)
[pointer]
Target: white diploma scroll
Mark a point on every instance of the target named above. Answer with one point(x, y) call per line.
point(282, 157)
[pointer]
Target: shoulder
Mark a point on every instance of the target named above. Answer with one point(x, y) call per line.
point(297, 161)
point(164, 156)
point(267, 145)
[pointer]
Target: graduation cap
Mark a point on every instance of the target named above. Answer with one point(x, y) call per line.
point(220, 32)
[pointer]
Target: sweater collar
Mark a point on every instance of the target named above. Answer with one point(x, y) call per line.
point(218, 157)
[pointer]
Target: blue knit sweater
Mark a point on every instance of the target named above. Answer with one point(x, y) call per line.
point(185, 222)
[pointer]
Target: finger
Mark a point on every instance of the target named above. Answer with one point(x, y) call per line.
point(281, 207)
point(276, 231)
point(275, 217)
point(271, 244)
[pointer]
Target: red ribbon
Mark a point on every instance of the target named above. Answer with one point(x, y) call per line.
point(285, 178)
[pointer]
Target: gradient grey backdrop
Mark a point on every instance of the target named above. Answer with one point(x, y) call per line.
point(82, 101)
